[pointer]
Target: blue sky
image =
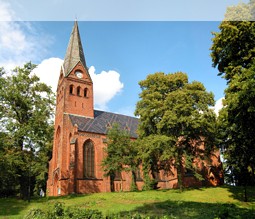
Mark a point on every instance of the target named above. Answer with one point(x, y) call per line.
point(120, 53)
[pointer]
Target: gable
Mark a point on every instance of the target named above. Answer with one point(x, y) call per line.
point(102, 120)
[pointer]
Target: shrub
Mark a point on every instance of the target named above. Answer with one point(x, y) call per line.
point(35, 213)
point(79, 213)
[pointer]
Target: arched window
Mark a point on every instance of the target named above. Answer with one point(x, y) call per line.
point(71, 89)
point(78, 91)
point(68, 152)
point(86, 92)
point(89, 159)
point(57, 147)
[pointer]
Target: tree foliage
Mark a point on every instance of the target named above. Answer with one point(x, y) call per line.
point(237, 119)
point(233, 47)
point(120, 153)
point(175, 119)
point(241, 12)
point(26, 108)
point(233, 52)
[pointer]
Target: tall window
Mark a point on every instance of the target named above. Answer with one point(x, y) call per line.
point(89, 159)
point(86, 92)
point(57, 147)
point(71, 89)
point(78, 91)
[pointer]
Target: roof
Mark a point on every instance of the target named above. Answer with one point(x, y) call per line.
point(103, 120)
point(74, 52)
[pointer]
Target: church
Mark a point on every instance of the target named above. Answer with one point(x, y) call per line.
point(81, 132)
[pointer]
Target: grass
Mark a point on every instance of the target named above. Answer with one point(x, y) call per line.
point(192, 203)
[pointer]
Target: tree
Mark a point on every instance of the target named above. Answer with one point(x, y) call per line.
point(233, 47)
point(233, 53)
point(26, 108)
point(175, 119)
point(237, 120)
point(241, 12)
point(120, 154)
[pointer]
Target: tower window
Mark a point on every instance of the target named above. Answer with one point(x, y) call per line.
point(89, 159)
point(71, 89)
point(78, 91)
point(86, 92)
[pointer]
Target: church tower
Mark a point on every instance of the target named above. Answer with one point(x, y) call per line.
point(74, 97)
point(75, 87)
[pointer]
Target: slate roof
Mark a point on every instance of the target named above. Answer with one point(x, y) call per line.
point(74, 52)
point(103, 120)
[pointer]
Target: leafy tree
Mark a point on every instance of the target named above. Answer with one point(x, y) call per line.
point(233, 53)
point(26, 108)
point(233, 47)
point(237, 120)
point(121, 154)
point(238, 12)
point(241, 12)
point(175, 119)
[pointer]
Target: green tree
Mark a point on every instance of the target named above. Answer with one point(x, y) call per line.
point(233, 47)
point(233, 53)
point(120, 154)
point(175, 119)
point(241, 12)
point(236, 128)
point(26, 108)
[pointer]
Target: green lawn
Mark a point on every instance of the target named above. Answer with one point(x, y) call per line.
point(192, 203)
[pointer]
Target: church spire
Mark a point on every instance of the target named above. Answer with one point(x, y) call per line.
point(74, 52)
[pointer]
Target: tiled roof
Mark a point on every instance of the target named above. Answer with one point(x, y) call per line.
point(102, 120)
point(74, 52)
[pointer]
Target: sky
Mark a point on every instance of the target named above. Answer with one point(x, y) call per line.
point(121, 48)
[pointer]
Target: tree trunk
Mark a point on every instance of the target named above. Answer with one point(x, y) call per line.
point(179, 171)
point(245, 194)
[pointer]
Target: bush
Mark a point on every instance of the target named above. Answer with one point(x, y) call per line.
point(35, 213)
point(58, 211)
point(79, 213)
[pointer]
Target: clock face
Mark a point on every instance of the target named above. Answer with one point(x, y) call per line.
point(79, 74)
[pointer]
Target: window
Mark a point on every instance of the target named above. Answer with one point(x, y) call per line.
point(71, 89)
point(138, 175)
point(189, 172)
point(57, 147)
point(86, 92)
point(117, 175)
point(89, 159)
point(78, 91)
point(156, 175)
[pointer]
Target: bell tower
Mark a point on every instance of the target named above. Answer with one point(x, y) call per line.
point(74, 97)
point(75, 87)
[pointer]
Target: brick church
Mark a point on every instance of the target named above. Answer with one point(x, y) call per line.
point(80, 135)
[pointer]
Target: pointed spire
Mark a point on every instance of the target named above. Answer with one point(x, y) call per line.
point(74, 52)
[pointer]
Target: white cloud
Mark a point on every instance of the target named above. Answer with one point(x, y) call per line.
point(48, 71)
point(6, 14)
point(218, 106)
point(19, 41)
point(106, 85)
